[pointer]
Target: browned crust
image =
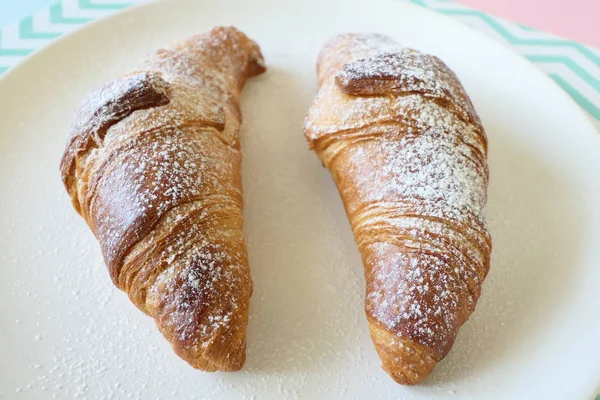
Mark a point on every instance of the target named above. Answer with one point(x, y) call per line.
point(104, 107)
point(385, 82)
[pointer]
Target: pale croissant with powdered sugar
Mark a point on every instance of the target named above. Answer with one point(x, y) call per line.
point(408, 154)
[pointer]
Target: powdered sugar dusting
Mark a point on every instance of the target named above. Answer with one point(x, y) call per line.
point(434, 170)
point(199, 279)
point(404, 71)
point(346, 47)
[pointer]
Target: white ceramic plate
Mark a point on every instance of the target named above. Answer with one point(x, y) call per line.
point(66, 332)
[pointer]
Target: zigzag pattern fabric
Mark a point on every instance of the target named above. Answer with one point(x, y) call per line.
point(575, 67)
point(23, 37)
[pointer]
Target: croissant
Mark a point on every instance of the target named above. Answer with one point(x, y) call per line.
point(408, 155)
point(153, 166)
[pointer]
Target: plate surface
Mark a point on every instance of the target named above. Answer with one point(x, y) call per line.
point(66, 332)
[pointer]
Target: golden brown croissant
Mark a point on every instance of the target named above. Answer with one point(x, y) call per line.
point(408, 155)
point(153, 166)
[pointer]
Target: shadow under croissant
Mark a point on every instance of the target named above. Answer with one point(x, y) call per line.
point(532, 263)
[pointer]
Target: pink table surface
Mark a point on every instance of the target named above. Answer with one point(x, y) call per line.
point(577, 20)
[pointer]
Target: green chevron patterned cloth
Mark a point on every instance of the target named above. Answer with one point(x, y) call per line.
point(575, 67)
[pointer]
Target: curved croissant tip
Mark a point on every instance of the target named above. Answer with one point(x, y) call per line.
point(224, 361)
point(220, 354)
point(406, 361)
point(223, 351)
point(256, 62)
